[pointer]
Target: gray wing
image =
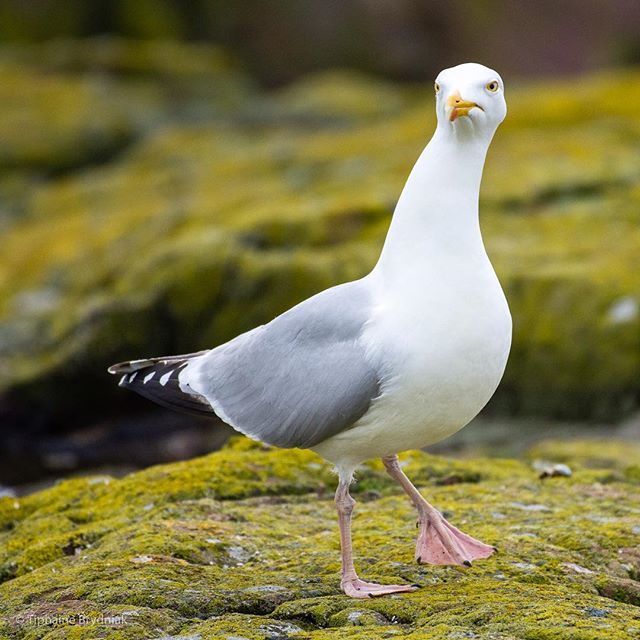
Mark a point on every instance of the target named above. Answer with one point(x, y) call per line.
point(299, 379)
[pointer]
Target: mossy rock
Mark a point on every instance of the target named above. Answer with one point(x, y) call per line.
point(243, 543)
point(69, 105)
point(212, 225)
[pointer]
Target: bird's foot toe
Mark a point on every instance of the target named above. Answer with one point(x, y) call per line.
point(360, 589)
point(441, 543)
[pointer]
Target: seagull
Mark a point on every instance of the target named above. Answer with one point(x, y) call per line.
point(399, 359)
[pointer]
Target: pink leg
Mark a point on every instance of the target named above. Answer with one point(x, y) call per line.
point(350, 583)
point(438, 542)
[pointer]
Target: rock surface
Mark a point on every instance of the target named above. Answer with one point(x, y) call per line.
point(243, 543)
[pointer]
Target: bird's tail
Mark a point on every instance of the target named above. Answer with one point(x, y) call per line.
point(158, 379)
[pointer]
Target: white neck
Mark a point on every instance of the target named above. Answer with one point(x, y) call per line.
point(437, 213)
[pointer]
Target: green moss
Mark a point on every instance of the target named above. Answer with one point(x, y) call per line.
point(244, 543)
point(334, 98)
point(632, 473)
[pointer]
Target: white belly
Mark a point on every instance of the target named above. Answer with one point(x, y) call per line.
point(443, 356)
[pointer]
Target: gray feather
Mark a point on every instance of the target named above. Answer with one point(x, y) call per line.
point(297, 380)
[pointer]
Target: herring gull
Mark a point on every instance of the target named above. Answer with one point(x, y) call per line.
point(398, 360)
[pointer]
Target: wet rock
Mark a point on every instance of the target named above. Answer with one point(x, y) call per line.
point(572, 566)
point(358, 618)
point(279, 630)
point(530, 507)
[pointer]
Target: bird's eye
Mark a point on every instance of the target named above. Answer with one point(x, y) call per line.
point(436, 86)
point(492, 86)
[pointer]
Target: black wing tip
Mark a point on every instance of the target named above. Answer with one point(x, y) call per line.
point(158, 381)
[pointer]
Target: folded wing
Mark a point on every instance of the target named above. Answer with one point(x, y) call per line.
point(297, 380)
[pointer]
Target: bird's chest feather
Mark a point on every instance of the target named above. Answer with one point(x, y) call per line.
point(454, 331)
point(445, 347)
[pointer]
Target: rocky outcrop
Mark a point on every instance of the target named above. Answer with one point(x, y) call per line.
point(243, 543)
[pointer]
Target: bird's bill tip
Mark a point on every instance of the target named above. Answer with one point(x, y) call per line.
point(457, 106)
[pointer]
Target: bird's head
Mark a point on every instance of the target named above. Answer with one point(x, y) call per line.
point(470, 100)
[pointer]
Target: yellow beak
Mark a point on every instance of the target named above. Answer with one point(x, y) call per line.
point(458, 106)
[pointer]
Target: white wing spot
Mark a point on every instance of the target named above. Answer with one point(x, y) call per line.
point(122, 380)
point(148, 377)
point(165, 378)
point(132, 377)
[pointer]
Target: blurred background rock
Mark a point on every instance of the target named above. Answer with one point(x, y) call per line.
point(172, 174)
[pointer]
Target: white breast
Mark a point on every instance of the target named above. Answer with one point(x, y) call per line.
point(443, 346)
point(440, 330)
